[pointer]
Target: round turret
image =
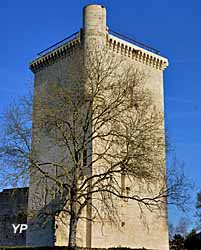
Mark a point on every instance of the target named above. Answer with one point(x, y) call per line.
point(94, 25)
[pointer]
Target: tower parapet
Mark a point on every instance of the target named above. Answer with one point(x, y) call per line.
point(136, 53)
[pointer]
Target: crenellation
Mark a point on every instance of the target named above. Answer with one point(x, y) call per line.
point(139, 54)
point(60, 52)
point(113, 43)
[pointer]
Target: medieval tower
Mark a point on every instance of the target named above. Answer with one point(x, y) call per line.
point(132, 231)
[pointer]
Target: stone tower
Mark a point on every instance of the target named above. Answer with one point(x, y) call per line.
point(132, 232)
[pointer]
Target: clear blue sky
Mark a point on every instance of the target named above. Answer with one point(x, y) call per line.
point(173, 27)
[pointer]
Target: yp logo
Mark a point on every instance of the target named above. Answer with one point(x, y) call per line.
point(19, 228)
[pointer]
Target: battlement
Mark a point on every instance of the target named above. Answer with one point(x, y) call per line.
point(114, 43)
point(61, 49)
point(136, 52)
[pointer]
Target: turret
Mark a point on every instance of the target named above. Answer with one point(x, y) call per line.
point(94, 25)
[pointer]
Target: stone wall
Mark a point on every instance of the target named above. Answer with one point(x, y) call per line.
point(13, 209)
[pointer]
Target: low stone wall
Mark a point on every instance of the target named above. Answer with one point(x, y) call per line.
point(13, 210)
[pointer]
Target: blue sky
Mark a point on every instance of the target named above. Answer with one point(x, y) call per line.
point(173, 27)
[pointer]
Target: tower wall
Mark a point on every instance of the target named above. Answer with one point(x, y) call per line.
point(132, 231)
point(47, 230)
point(136, 229)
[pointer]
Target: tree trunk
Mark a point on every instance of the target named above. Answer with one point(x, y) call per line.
point(72, 232)
point(73, 220)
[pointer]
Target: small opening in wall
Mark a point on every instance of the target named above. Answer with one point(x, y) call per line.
point(122, 223)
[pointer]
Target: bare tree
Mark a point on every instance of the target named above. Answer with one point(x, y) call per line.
point(198, 210)
point(171, 231)
point(105, 129)
point(182, 227)
point(15, 142)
